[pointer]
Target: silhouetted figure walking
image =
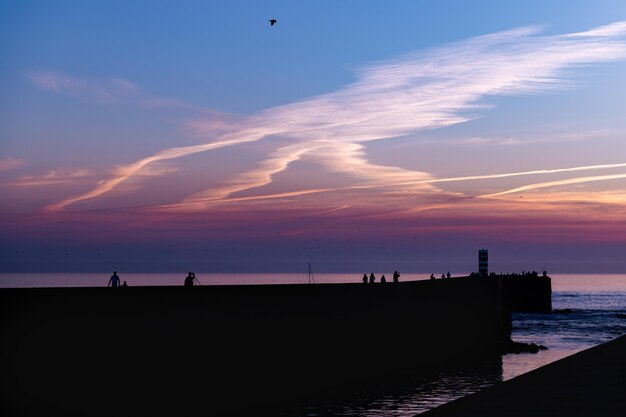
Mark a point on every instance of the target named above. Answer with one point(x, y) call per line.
point(383, 279)
point(372, 278)
point(432, 276)
point(364, 278)
point(114, 281)
point(396, 276)
point(189, 279)
point(443, 276)
point(448, 275)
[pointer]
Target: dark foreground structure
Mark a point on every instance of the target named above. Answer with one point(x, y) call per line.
point(527, 293)
point(590, 383)
point(220, 350)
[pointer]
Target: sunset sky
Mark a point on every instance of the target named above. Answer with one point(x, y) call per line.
point(357, 135)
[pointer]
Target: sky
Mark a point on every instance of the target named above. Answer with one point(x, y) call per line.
point(356, 135)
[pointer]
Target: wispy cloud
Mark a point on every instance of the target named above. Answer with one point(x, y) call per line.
point(127, 172)
point(8, 164)
point(551, 137)
point(522, 173)
point(568, 181)
point(107, 91)
point(415, 92)
point(262, 175)
point(613, 200)
point(62, 176)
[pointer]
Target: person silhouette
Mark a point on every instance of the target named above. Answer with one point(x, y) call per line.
point(443, 276)
point(448, 275)
point(383, 279)
point(124, 284)
point(189, 279)
point(364, 278)
point(372, 278)
point(114, 281)
point(432, 276)
point(396, 276)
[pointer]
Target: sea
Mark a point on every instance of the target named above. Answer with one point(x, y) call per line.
point(589, 309)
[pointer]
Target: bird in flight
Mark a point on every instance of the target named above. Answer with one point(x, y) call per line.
point(272, 22)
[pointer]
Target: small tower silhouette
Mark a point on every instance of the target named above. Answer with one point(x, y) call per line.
point(483, 262)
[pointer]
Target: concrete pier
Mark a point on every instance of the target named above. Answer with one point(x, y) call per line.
point(234, 349)
point(589, 383)
point(528, 293)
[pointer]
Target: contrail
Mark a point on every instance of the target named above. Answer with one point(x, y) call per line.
point(516, 174)
point(224, 197)
point(568, 181)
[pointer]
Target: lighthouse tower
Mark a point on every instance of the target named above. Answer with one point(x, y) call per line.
point(483, 262)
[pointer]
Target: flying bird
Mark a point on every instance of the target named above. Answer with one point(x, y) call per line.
point(272, 22)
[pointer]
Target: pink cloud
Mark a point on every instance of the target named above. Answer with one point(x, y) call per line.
point(8, 164)
point(61, 176)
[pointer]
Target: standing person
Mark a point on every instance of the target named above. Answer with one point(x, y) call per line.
point(189, 280)
point(383, 279)
point(448, 275)
point(396, 276)
point(372, 278)
point(364, 278)
point(114, 281)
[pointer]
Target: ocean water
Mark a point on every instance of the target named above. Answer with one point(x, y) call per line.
point(592, 310)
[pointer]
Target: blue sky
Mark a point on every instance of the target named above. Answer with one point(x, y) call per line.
point(221, 54)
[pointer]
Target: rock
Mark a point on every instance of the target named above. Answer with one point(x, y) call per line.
point(519, 347)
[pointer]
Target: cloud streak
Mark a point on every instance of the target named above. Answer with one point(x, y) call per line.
point(8, 164)
point(535, 172)
point(524, 140)
point(108, 90)
point(418, 91)
point(53, 177)
point(568, 181)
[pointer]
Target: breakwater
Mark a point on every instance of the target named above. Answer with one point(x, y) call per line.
point(235, 349)
point(528, 293)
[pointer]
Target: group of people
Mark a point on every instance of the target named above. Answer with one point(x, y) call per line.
point(191, 280)
point(443, 276)
point(532, 274)
point(114, 281)
point(372, 278)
